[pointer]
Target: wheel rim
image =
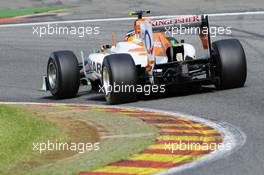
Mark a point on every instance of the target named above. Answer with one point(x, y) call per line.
point(106, 81)
point(52, 75)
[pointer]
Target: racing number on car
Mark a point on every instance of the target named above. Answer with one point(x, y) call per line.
point(97, 67)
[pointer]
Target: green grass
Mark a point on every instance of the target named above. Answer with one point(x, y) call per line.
point(111, 150)
point(18, 131)
point(5, 13)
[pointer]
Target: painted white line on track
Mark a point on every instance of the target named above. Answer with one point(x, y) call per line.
point(233, 136)
point(126, 19)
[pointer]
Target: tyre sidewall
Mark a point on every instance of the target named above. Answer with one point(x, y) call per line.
point(122, 71)
point(68, 74)
point(230, 61)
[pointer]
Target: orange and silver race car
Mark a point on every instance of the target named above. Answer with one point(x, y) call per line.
point(148, 59)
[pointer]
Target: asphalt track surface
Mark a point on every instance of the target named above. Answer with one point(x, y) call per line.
point(23, 58)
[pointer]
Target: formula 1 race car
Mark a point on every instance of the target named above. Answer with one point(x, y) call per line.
point(146, 56)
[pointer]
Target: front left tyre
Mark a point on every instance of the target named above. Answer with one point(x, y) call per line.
point(63, 74)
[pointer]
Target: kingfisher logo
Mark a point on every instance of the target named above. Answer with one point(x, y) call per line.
point(164, 22)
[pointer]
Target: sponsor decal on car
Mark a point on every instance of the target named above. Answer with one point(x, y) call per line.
point(164, 22)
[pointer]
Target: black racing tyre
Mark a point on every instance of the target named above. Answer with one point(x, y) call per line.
point(63, 74)
point(119, 71)
point(230, 62)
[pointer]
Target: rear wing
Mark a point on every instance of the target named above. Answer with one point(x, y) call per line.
point(162, 25)
point(147, 27)
point(195, 21)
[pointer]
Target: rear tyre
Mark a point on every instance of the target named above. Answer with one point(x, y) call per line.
point(230, 61)
point(63, 74)
point(119, 75)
